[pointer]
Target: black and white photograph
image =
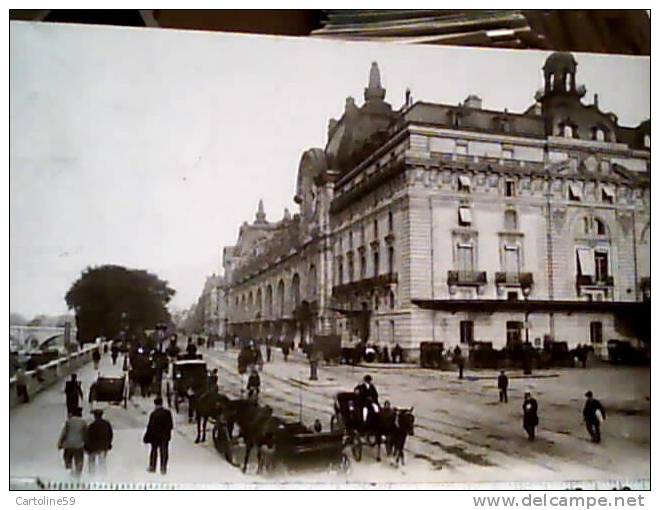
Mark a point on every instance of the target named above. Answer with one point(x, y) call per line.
point(364, 256)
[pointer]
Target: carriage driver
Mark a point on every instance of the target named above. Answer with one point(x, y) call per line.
point(368, 398)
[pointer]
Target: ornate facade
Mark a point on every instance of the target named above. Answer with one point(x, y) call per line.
point(455, 224)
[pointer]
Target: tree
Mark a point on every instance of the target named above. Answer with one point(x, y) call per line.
point(110, 299)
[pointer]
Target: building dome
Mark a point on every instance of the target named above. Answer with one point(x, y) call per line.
point(560, 62)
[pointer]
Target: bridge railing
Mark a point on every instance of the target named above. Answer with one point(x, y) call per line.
point(49, 374)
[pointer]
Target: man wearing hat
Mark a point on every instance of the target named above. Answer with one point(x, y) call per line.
point(593, 414)
point(98, 441)
point(158, 435)
point(530, 415)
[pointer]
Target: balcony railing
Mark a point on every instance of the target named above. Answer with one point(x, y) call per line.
point(466, 277)
point(522, 279)
point(365, 284)
point(594, 281)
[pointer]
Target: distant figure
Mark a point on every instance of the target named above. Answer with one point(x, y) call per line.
point(213, 381)
point(318, 427)
point(191, 348)
point(72, 441)
point(503, 385)
point(96, 358)
point(530, 415)
point(397, 354)
point(269, 342)
point(73, 392)
point(459, 361)
point(114, 353)
point(98, 441)
point(285, 350)
point(158, 435)
point(253, 384)
point(594, 414)
point(21, 386)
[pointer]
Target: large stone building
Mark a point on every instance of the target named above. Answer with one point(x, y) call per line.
point(455, 224)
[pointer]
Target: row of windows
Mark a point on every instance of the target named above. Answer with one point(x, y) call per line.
point(510, 218)
point(362, 230)
point(350, 265)
point(515, 333)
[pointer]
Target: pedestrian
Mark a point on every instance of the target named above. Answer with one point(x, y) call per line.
point(530, 415)
point(594, 414)
point(21, 386)
point(269, 342)
point(114, 353)
point(98, 441)
point(74, 394)
point(96, 358)
point(191, 348)
point(285, 350)
point(318, 427)
point(397, 354)
point(459, 361)
point(191, 394)
point(158, 435)
point(254, 384)
point(503, 385)
point(72, 441)
point(213, 380)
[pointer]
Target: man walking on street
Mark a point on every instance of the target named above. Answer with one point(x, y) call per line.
point(96, 357)
point(530, 415)
point(99, 440)
point(73, 392)
point(460, 362)
point(114, 353)
point(254, 384)
point(593, 414)
point(158, 435)
point(72, 441)
point(503, 385)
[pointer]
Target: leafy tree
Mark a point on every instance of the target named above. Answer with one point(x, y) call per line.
point(109, 299)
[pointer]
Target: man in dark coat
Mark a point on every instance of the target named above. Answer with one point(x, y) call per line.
point(593, 414)
point(96, 358)
point(158, 435)
point(191, 348)
point(366, 389)
point(503, 385)
point(74, 394)
point(530, 415)
point(253, 384)
point(99, 440)
point(114, 353)
point(459, 360)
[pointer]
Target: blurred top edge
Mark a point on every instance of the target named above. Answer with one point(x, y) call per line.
point(617, 31)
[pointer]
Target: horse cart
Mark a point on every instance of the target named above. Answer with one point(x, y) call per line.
point(109, 389)
point(189, 378)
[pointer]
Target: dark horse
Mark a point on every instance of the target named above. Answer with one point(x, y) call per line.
point(208, 405)
point(405, 426)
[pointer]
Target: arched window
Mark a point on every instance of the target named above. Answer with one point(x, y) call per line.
point(599, 227)
point(390, 259)
point(269, 300)
point(295, 290)
point(390, 221)
point(376, 256)
point(250, 303)
point(258, 302)
point(280, 298)
point(510, 220)
point(586, 225)
point(391, 299)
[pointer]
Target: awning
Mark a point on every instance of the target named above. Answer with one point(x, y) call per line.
point(465, 215)
point(587, 264)
point(576, 190)
point(608, 191)
point(464, 180)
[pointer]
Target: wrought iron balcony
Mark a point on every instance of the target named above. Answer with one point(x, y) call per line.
point(365, 284)
point(594, 281)
point(459, 277)
point(522, 279)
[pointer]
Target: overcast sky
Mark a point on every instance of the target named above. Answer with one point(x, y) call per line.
point(149, 148)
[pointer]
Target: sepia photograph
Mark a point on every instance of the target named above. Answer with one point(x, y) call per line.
point(264, 260)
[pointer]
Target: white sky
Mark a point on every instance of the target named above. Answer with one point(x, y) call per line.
point(149, 148)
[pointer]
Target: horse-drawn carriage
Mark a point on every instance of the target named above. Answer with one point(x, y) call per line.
point(279, 443)
point(113, 390)
point(189, 377)
point(362, 425)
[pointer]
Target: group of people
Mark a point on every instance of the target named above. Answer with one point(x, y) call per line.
point(593, 412)
point(78, 437)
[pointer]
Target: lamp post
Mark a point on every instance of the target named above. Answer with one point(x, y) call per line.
point(527, 365)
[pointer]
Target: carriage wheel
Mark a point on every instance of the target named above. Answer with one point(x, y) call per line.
point(356, 447)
